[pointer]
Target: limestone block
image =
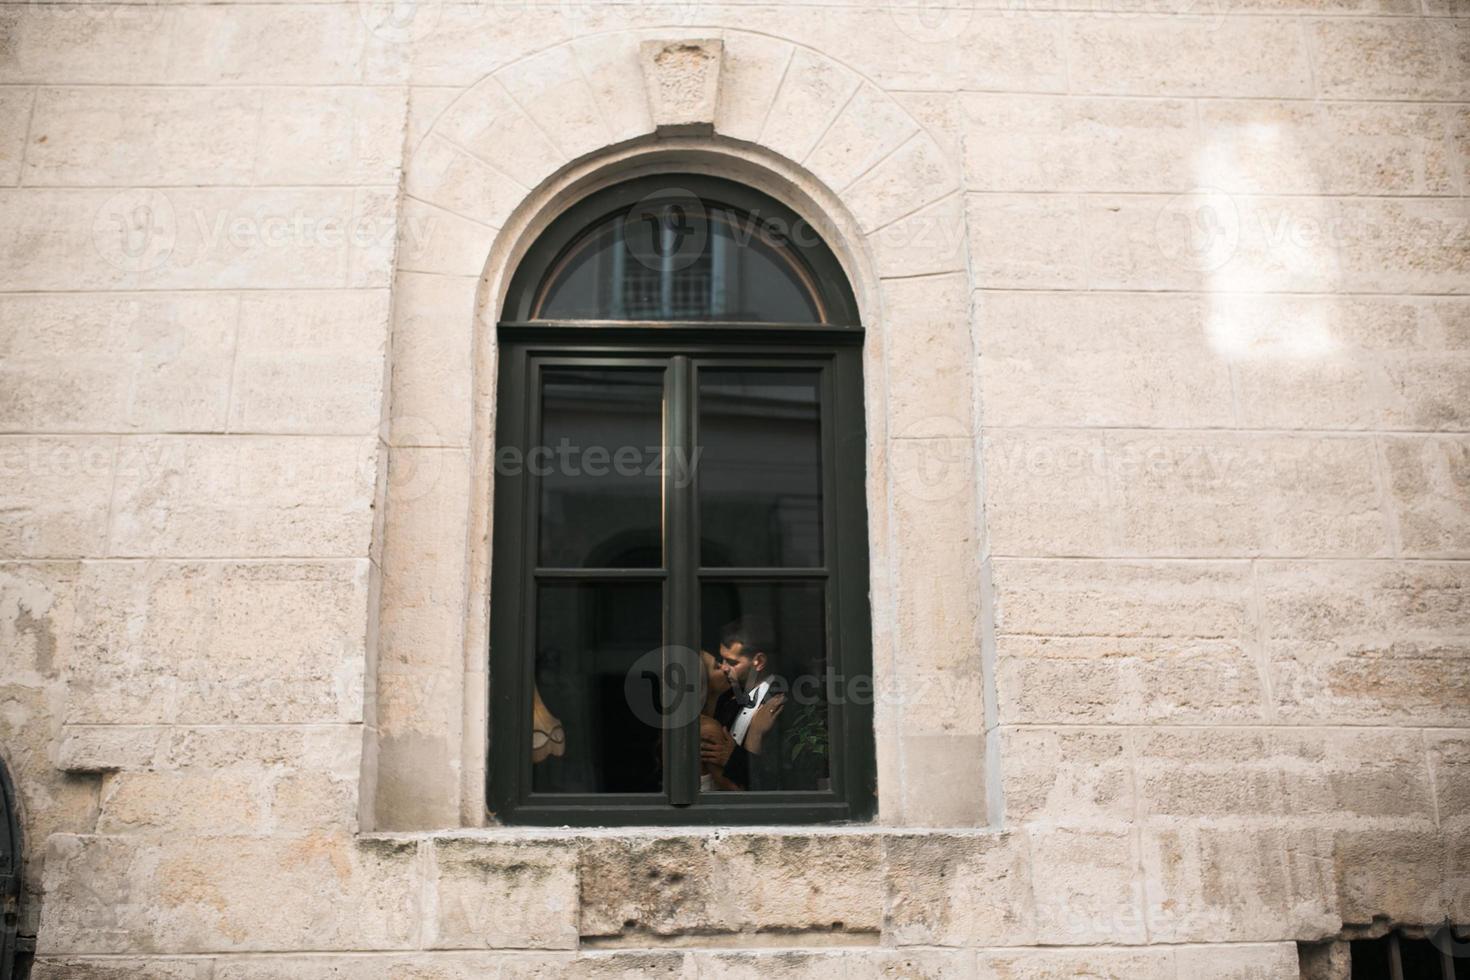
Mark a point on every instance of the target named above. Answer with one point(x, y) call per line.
point(1216, 495)
point(1386, 59)
point(683, 82)
point(1086, 885)
point(870, 126)
point(1240, 961)
point(1395, 873)
point(1046, 143)
point(751, 70)
point(331, 135)
point(120, 968)
point(1092, 680)
point(555, 94)
point(943, 782)
point(1098, 963)
point(249, 496)
point(298, 46)
point(210, 643)
point(1358, 774)
point(104, 748)
point(916, 174)
point(416, 788)
point(1428, 478)
point(1209, 773)
point(1239, 885)
point(431, 239)
point(1065, 775)
point(814, 90)
point(432, 360)
point(1449, 764)
point(811, 964)
point(1046, 492)
point(1404, 246)
point(953, 890)
point(1262, 147)
point(1028, 242)
point(55, 490)
point(930, 240)
point(310, 363)
point(614, 70)
point(15, 111)
point(489, 124)
point(448, 177)
point(206, 894)
point(739, 884)
point(1206, 600)
point(47, 45)
point(513, 894)
point(182, 803)
point(149, 136)
point(92, 362)
point(196, 238)
point(930, 355)
point(1326, 961)
point(1094, 359)
point(1353, 643)
point(1251, 57)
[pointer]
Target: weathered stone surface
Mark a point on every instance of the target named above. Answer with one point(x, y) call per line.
point(205, 894)
point(1087, 886)
point(950, 890)
point(814, 90)
point(504, 895)
point(1371, 59)
point(1348, 643)
point(1429, 478)
point(683, 81)
point(1182, 55)
point(1062, 143)
point(1066, 775)
point(1026, 241)
point(1226, 885)
point(871, 125)
point(56, 493)
point(1103, 359)
point(245, 496)
point(310, 363)
point(208, 643)
point(1396, 873)
point(98, 362)
point(743, 884)
point(15, 109)
point(332, 135)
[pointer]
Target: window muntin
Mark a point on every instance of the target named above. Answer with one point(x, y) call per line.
point(612, 585)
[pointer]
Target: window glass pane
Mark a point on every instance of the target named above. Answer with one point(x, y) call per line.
point(759, 465)
point(594, 728)
point(599, 462)
point(677, 257)
point(765, 647)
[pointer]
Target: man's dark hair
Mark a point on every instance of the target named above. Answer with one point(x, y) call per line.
point(753, 633)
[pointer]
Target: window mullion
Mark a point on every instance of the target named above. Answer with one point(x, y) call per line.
point(682, 666)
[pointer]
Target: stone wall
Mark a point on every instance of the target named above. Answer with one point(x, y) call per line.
point(1168, 390)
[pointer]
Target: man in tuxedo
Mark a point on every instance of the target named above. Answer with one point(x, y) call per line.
point(747, 744)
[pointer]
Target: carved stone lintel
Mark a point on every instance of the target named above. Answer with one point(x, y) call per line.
point(683, 79)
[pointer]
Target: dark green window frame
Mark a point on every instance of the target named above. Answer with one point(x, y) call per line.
point(834, 349)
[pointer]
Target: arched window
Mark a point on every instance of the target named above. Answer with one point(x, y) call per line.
point(679, 625)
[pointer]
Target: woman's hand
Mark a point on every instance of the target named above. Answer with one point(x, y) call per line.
point(715, 743)
point(762, 721)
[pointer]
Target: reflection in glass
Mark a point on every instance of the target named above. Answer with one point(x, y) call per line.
point(773, 721)
point(599, 461)
point(676, 257)
point(760, 468)
point(589, 637)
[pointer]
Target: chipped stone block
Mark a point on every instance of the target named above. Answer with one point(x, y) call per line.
point(950, 890)
point(743, 884)
point(683, 83)
point(504, 894)
point(191, 894)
